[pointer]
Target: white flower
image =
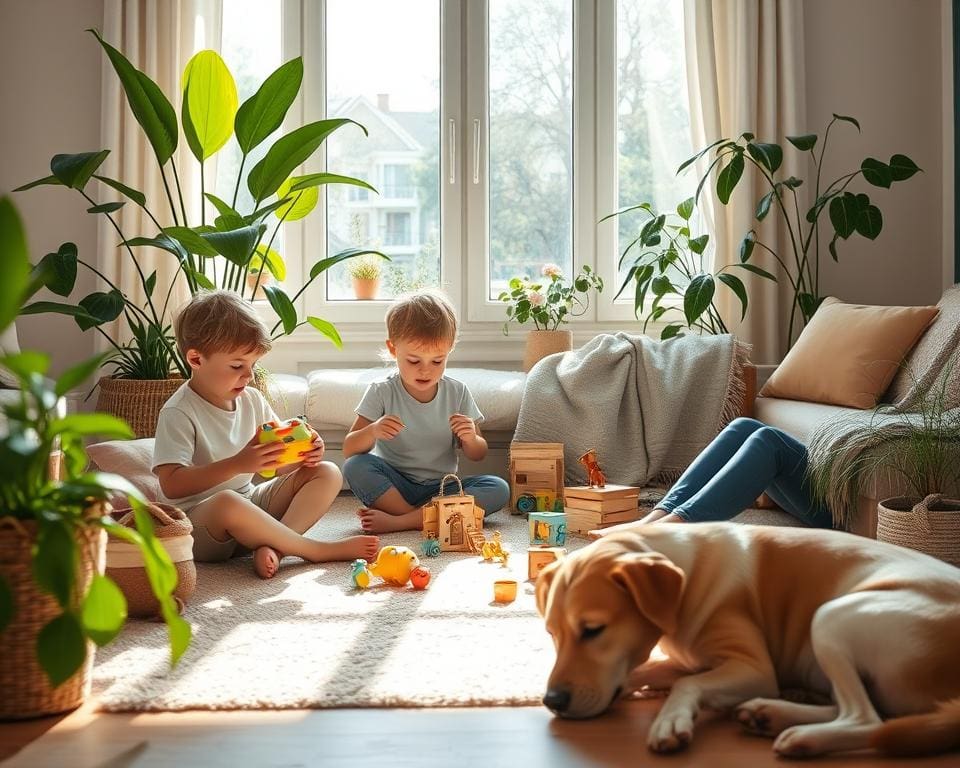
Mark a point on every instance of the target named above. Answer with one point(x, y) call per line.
point(551, 270)
point(535, 298)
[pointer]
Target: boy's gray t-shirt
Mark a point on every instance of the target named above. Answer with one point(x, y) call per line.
point(426, 449)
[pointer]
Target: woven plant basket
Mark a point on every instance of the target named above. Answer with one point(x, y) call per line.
point(26, 689)
point(543, 343)
point(125, 561)
point(931, 526)
point(136, 401)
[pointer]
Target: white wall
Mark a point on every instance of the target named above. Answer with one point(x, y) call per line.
point(50, 92)
point(882, 61)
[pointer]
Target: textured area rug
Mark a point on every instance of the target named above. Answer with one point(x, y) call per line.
point(307, 638)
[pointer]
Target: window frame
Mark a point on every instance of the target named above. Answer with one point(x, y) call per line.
point(463, 204)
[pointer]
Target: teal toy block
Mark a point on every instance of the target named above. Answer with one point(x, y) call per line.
point(549, 528)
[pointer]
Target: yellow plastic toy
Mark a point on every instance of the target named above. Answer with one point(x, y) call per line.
point(294, 433)
point(394, 564)
point(494, 550)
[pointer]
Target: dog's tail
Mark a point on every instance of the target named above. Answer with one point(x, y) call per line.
point(917, 735)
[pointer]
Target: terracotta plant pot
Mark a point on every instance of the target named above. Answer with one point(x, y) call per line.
point(930, 525)
point(543, 343)
point(265, 280)
point(27, 691)
point(136, 401)
point(366, 289)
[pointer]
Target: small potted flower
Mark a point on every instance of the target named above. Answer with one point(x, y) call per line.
point(365, 273)
point(549, 303)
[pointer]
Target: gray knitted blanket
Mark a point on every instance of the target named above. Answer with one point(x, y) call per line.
point(647, 407)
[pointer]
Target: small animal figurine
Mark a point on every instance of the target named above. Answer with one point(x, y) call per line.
point(494, 550)
point(394, 564)
point(595, 476)
point(360, 574)
point(419, 577)
point(430, 547)
point(294, 433)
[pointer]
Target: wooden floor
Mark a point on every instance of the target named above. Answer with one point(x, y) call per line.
point(528, 737)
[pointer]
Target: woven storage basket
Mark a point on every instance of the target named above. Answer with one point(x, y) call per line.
point(931, 526)
point(26, 689)
point(125, 562)
point(136, 401)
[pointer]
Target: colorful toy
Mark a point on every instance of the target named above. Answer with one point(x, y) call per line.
point(548, 528)
point(595, 476)
point(360, 574)
point(535, 467)
point(494, 550)
point(430, 547)
point(545, 500)
point(294, 433)
point(540, 557)
point(526, 503)
point(419, 577)
point(505, 590)
point(394, 564)
point(454, 520)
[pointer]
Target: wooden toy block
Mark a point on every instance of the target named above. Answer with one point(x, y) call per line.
point(609, 491)
point(535, 468)
point(548, 528)
point(579, 522)
point(454, 520)
point(540, 557)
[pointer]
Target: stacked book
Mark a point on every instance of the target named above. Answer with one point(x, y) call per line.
point(588, 508)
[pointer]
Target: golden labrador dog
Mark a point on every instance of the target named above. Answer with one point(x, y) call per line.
point(744, 612)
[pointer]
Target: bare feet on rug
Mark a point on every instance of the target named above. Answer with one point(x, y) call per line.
point(266, 561)
point(349, 549)
point(377, 521)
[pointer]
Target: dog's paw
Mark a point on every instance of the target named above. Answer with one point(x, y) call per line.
point(671, 732)
point(759, 716)
point(799, 741)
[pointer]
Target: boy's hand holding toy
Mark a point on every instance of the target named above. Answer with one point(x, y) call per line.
point(257, 457)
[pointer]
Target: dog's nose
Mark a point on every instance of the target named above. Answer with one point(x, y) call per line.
point(557, 700)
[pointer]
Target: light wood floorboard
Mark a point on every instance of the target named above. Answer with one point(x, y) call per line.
point(527, 737)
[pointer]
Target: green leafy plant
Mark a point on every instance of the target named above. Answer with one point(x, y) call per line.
point(550, 302)
point(221, 253)
point(62, 507)
point(849, 213)
point(364, 268)
point(668, 261)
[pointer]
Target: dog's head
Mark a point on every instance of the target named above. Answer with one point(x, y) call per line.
point(605, 606)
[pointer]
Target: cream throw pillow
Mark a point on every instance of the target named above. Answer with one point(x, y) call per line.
point(131, 459)
point(848, 353)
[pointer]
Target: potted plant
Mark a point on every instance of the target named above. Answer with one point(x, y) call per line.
point(365, 274)
point(218, 253)
point(669, 261)
point(55, 604)
point(549, 303)
point(920, 449)
point(849, 212)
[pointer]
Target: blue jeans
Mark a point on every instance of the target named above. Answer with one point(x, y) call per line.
point(744, 460)
point(370, 477)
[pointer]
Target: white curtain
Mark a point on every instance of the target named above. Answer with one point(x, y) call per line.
point(158, 37)
point(745, 72)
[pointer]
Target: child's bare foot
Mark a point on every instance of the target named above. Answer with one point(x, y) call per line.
point(266, 561)
point(349, 549)
point(377, 521)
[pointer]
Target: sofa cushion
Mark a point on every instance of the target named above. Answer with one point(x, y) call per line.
point(797, 418)
point(848, 353)
point(934, 354)
point(333, 393)
point(131, 459)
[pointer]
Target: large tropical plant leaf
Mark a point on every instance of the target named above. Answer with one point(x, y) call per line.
point(209, 102)
point(263, 113)
point(16, 264)
point(75, 170)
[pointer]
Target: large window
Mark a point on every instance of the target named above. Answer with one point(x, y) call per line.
point(500, 133)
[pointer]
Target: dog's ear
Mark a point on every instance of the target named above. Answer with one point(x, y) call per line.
point(654, 583)
point(544, 580)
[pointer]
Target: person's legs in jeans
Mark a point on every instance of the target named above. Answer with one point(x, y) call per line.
point(768, 460)
point(488, 491)
point(387, 495)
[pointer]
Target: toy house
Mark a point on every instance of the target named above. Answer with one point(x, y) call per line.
point(535, 468)
point(454, 520)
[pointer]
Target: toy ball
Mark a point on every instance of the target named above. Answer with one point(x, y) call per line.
point(419, 577)
point(430, 547)
point(394, 564)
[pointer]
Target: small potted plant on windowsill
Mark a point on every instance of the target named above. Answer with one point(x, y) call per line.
point(365, 274)
point(549, 303)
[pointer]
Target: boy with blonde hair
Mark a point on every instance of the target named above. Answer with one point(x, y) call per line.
point(408, 427)
point(206, 450)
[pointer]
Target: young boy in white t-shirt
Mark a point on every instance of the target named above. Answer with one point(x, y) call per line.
point(206, 450)
point(408, 427)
